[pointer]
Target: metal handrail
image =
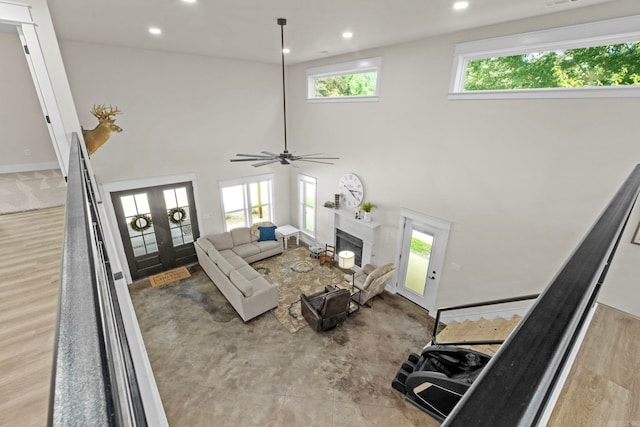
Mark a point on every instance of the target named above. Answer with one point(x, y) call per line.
point(515, 387)
point(474, 305)
point(93, 379)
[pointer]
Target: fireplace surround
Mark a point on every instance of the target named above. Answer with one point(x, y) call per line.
point(365, 232)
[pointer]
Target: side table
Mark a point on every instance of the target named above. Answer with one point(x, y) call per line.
point(354, 301)
point(287, 231)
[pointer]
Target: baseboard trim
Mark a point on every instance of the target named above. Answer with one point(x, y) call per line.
point(29, 167)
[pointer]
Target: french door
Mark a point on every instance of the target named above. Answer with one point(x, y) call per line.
point(421, 257)
point(158, 226)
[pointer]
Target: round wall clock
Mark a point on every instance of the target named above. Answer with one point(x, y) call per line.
point(351, 190)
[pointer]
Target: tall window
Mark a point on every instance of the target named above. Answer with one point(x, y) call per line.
point(247, 200)
point(307, 202)
point(347, 81)
point(589, 60)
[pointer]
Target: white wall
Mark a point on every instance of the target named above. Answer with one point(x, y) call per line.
point(521, 180)
point(22, 125)
point(181, 114)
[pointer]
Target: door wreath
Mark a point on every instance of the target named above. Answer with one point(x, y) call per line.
point(177, 215)
point(141, 222)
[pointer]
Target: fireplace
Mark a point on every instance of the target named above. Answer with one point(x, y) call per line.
point(349, 242)
point(362, 235)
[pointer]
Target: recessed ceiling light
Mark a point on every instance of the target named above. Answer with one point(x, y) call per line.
point(155, 31)
point(188, 1)
point(347, 35)
point(286, 50)
point(460, 5)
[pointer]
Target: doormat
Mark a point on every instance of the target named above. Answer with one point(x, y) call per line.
point(170, 276)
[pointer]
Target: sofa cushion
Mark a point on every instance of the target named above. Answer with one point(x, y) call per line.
point(214, 254)
point(225, 266)
point(241, 236)
point(236, 262)
point(248, 272)
point(241, 283)
point(228, 253)
point(268, 245)
point(246, 250)
point(205, 244)
point(222, 241)
point(267, 233)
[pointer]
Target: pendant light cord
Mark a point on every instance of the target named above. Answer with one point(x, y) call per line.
point(282, 22)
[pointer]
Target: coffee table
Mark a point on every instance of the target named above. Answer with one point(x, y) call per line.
point(354, 301)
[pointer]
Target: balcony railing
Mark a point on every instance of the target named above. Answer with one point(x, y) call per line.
point(94, 380)
point(516, 386)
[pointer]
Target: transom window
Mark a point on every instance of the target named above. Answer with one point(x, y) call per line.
point(347, 81)
point(307, 203)
point(589, 60)
point(247, 200)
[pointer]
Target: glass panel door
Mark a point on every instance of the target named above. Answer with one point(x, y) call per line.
point(421, 257)
point(418, 262)
point(158, 227)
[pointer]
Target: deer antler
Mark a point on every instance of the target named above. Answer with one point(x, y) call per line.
point(102, 113)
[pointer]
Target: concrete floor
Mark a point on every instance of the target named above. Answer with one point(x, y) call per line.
point(213, 369)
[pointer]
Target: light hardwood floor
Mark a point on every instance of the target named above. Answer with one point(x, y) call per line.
point(30, 255)
point(603, 387)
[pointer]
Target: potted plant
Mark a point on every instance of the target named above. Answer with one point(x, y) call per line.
point(366, 208)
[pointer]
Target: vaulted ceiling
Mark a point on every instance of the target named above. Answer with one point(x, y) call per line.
point(247, 29)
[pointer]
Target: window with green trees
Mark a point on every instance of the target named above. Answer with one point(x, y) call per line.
point(361, 84)
point(355, 80)
point(596, 59)
point(610, 65)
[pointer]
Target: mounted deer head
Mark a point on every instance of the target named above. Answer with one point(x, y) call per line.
point(94, 138)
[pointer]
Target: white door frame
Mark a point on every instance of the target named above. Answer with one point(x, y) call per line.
point(440, 230)
point(117, 186)
point(20, 15)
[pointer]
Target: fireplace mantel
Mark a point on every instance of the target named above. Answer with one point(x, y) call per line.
point(364, 230)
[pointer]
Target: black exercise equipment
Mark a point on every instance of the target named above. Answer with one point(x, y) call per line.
point(435, 380)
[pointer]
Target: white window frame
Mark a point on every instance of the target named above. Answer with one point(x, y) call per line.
point(342, 69)
point(302, 194)
point(612, 31)
point(246, 182)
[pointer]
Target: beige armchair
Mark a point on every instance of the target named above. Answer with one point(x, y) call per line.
point(371, 280)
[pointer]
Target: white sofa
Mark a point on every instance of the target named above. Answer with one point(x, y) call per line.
point(225, 257)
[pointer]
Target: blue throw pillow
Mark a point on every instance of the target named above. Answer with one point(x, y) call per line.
point(267, 233)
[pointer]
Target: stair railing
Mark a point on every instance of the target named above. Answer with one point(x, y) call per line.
point(93, 380)
point(434, 339)
point(516, 386)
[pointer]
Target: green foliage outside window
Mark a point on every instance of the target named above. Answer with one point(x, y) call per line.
point(613, 65)
point(361, 84)
point(420, 247)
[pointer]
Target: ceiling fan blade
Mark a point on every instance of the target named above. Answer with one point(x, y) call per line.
point(307, 155)
point(268, 153)
point(314, 161)
point(318, 158)
point(268, 162)
point(254, 159)
point(256, 155)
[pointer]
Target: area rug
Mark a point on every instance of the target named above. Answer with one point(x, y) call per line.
point(294, 272)
point(167, 277)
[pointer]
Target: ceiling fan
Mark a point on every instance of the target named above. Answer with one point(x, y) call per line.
point(285, 158)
